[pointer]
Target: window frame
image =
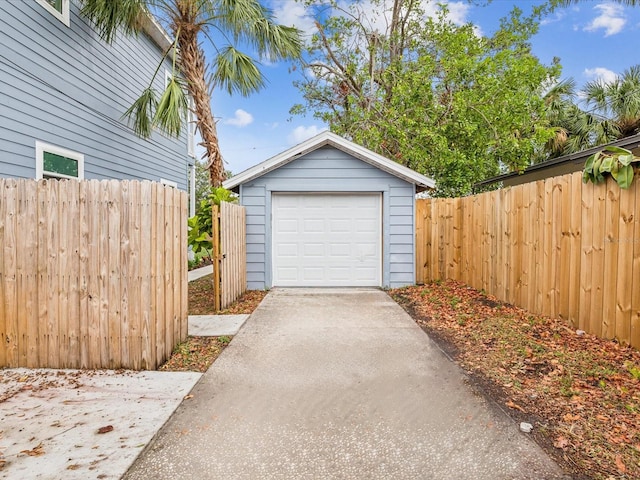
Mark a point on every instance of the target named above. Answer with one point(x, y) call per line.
point(62, 15)
point(168, 183)
point(42, 147)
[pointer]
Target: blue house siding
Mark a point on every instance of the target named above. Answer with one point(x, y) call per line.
point(328, 169)
point(64, 86)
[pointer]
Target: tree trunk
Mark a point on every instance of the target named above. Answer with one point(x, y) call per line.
point(193, 67)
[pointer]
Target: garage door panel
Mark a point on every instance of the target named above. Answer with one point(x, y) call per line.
point(339, 274)
point(313, 226)
point(312, 274)
point(341, 226)
point(286, 225)
point(288, 274)
point(327, 240)
point(287, 250)
point(340, 249)
point(314, 250)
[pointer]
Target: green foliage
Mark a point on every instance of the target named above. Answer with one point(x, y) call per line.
point(633, 370)
point(432, 95)
point(223, 23)
point(200, 226)
point(171, 110)
point(142, 111)
point(615, 161)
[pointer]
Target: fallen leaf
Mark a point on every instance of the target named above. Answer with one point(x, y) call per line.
point(561, 442)
point(622, 468)
point(74, 466)
point(35, 451)
point(187, 397)
point(106, 429)
point(515, 406)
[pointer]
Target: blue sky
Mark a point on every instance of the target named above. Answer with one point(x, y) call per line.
point(593, 39)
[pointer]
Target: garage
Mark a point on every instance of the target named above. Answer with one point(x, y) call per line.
point(327, 239)
point(329, 213)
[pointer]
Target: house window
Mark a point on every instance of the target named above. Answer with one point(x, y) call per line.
point(168, 183)
point(57, 8)
point(56, 162)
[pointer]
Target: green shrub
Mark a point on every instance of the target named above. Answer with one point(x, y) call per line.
point(200, 226)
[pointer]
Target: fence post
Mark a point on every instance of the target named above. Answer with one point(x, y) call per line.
point(216, 257)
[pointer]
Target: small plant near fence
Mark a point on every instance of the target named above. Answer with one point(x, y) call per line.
point(200, 226)
point(614, 161)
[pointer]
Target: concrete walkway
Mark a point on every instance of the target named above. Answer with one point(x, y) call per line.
point(324, 384)
point(199, 273)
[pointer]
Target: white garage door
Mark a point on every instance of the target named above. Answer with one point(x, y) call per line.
point(327, 240)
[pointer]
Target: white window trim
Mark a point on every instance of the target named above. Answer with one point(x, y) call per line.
point(42, 147)
point(63, 17)
point(169, 183)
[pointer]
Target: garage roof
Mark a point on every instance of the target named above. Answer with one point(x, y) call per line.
point(331, 139)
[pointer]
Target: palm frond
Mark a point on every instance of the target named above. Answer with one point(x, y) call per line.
point(142, 111)
point(236, 72)
point(252, 23)
point(109, 15)
point(172, 107)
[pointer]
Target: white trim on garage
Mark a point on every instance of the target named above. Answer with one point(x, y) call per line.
point(327, 239)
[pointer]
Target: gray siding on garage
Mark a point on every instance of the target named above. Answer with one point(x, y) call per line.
point(328, 169)
point(66, 87)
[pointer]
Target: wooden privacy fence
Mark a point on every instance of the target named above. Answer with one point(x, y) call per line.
point(555, 247)
point(93, 274)
point(230, 253)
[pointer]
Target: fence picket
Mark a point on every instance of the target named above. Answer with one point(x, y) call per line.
point(10, 338)
point(575, 270)
point(555, 247)
point(75, 273)
point(232, 252)
point(624, 267)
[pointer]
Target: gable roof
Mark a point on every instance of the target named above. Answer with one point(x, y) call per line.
point(327, 138)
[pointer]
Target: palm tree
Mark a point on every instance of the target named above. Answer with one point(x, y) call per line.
point(575, 129)
point(191, 22)
point(618, 102)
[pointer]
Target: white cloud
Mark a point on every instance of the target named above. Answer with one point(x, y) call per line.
point(611, 19)
point(301, 133)
point(240, 119)
point(458, 12)
point(294, 14)
point(557, 17)
point(600, 73)
point(378, 18)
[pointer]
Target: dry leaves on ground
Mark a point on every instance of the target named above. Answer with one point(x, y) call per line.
point(195, 354)
point(582, 393)
point(201, 299)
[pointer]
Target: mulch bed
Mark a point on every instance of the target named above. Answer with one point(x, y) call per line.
point(581, 393)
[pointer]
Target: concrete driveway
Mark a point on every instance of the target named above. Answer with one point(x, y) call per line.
point(337, 383)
